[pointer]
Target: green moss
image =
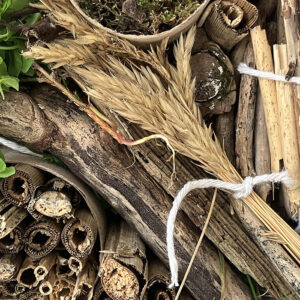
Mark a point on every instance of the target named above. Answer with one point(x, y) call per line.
point(149, 17)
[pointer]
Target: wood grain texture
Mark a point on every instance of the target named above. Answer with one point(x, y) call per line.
point(139, 189)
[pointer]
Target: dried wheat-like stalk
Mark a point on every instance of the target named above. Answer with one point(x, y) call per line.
point(155, 95)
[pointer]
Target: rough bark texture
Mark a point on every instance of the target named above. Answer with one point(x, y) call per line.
point(140, 191)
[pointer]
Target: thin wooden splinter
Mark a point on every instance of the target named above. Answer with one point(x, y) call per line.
point(44, 266)
point(79, 234)
point(19, 188)
point(9, 266)
point(41, 238)
point(85, 283)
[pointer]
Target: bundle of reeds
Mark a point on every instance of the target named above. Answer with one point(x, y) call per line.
point(155, 95)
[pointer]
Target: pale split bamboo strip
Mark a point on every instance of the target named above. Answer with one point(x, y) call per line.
point(288, 129)
point(264, 62)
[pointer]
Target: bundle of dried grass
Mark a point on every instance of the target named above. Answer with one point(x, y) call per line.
point(158, 98)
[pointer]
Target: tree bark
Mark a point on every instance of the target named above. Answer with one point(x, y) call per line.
point(140, 191)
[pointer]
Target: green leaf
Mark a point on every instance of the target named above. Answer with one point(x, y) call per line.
point(27, 63)
point(3, 67)
point(2, 165)
point(9, 81)
point(15, 6)
point(4, 7)
point(8, 172)
point(15, 63)
point(32, 19)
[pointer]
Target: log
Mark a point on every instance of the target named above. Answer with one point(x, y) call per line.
point(141, 193)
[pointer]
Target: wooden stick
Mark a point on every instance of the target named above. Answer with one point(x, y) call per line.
point(245, 118)
point(158, 281)
point(288, 129)
point(9, 266)
point(11, 219)
point(44, 266)
point(41, 238)
point(263, 59)
point(79, 234)
point(261, 145)
point(26, 275)
point(123, 267)
point(19, 188)
point(85, 283)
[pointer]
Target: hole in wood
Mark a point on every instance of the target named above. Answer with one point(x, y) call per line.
point(41, 271)
point(40, 238)
point(18, 186)
point(79, 236)
point(46, 290)
point(28, 277)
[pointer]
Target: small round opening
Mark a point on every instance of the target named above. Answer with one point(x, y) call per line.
point(75, 264)
point(28, 277)
point(79, 236)
point(17, 186)
point(40, 238)
point(41, 271)
point(45, 289)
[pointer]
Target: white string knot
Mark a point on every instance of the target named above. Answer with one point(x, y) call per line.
point(240, 190)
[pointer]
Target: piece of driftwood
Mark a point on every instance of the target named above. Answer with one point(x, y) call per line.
point(9, 266)
point(19, 188)
point(26, 276)
point(225, 132)
point(41, 238)
point(140, 191)
point(228, 21)
point(264, 61)
point(261, 145)
point(85, 283)
point(13, 242)
point(245, 118)
point(288, 129)
point(124, 267)
point(44, 266)
point(79, 234)
point(158, 282)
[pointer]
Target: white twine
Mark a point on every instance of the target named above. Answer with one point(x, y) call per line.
point(15, 146)
point(245, 69)
point(240, 190)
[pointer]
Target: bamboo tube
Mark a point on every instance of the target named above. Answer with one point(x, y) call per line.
point(229, 21)
point(26, 276)
point(79, 234)
point(47, 287)
point(62, 267)
point(9, 266)
point(158, 282)
point(41, 238)
point(263, 59)
point(44, 266)
point(288, 129)
point(76, 264)
point(123, 269)
point(13, 288)
point(13, 242)
point(85, 283)
point(19, 188)
point(11, 219)
point(54, 205)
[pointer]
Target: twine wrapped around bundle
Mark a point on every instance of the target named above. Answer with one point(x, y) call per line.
point(228, 21)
